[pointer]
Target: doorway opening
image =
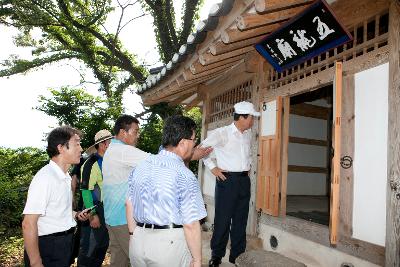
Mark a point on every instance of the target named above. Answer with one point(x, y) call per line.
point(309, 155)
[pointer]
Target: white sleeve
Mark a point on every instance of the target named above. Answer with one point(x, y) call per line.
point(217, 138)
point(133, 156)
point(38, 196)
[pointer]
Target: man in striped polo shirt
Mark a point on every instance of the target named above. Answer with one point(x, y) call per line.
point(164, 203)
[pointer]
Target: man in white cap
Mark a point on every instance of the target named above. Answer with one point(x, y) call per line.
point(230, 163)
point(94, 237)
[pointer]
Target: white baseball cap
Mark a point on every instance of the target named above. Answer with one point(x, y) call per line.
point(245, 107)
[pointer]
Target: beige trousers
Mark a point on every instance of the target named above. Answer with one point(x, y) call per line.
point(119, 245)
point(159, 248)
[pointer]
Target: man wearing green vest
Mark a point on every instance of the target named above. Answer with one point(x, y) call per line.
point(94, 239)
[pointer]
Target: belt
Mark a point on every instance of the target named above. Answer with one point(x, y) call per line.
point(63, 233)
point(155, 226)
point(245, 173)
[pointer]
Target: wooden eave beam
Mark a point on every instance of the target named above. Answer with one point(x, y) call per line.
point(311, 111)
point(219, 47)
point(208, 58)
point(251, 21)
point(268, 6)
point(192, 104)
point(197, 68)
point(234, 35)
point(179, 99)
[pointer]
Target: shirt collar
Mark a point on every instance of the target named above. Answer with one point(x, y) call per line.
point(117, 141)
point(170, 154)
point(59, 172)
point(234, 129)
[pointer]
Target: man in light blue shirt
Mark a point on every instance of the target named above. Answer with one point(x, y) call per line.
point(165, 204)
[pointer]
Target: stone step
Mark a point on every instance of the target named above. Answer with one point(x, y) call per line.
point(263, 258)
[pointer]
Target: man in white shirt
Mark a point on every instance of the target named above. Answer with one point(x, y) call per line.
point(118, 161)
point(49, 223)
point(230, 163)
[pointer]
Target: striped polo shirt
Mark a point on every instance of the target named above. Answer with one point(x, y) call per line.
point(164, 191)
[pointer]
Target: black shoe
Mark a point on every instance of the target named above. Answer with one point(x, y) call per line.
point(232, 260)
point(214, 262)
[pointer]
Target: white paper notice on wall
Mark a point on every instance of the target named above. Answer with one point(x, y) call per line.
point(268, 118)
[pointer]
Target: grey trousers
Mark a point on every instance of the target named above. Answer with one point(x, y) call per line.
point(119, 245)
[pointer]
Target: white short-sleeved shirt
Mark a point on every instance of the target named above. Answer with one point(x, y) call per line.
point(50, 196)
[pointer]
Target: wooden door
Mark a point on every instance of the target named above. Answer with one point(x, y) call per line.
point(335, 177)
point(269, 160)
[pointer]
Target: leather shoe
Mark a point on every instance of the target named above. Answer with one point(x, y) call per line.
point(232, 260)
point(214, 262)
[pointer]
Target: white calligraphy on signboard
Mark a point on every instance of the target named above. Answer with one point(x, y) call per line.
point(285, 48)
point(302, 41)
point(322, 28)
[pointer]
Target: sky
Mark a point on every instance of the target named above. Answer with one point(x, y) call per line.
point(21, 124)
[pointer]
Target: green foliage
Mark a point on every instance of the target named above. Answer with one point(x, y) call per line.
point(81, 110)
point(169, 36)
point(70, 30)
point(17, 168)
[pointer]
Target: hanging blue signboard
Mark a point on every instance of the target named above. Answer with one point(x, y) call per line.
point(307, 35)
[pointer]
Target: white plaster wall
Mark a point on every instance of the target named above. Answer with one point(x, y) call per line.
point(310, 253)
point(300, 183)
point(370, 155)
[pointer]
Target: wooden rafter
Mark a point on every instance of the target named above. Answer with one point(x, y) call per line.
point(219, 47)
point(208, 58)
point(268, 6)
point(179, 99)
point(250, 21)
point(197, 67)
point(234, 35)
point(188, 75)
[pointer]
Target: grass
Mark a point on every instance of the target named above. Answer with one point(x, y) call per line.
point(11, 248)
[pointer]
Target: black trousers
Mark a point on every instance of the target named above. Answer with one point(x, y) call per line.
point(94, 242)
point(232, 198)
point(55, 251)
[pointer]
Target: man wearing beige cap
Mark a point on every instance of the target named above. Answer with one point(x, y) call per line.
point(230, 163)
point(94, 237)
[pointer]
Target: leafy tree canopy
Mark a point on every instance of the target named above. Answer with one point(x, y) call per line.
point(81, 110)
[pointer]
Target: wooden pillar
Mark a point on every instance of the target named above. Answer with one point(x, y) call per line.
point(392, 251)
point(205, 96)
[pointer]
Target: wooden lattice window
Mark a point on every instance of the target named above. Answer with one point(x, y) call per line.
point(368, 35)
point(221, 106)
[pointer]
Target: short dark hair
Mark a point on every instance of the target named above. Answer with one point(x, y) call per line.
point(124, 122)
point(60, 136)
point(237, 116)
point(176, 128)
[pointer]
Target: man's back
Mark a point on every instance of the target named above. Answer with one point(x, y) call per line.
point(118, 162)
point(164, 191)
